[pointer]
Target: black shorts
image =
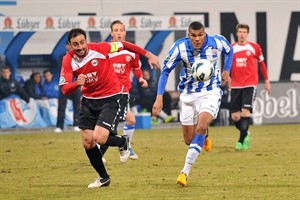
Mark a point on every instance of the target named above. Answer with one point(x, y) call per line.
point(101, 112)
point(242, 98)
point(124, 106)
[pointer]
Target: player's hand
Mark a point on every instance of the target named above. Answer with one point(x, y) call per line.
point(268, 86)
point(157, 106)
point(143, 82)
point(226, 79)
point(153, 60)
point(81, 79)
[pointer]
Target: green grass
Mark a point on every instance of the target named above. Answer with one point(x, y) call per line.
point(46, 165)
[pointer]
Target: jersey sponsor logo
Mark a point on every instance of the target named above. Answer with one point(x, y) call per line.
point(91, 77)
point(119, 68)
point(241, 62)
point(94, 62)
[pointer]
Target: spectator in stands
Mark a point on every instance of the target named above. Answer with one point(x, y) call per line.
point(9, 86)
point(33, 86)
point(62, 104)
point(148, 96)
point(50, 85)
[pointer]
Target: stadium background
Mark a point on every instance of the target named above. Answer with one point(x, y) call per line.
point(274, 24)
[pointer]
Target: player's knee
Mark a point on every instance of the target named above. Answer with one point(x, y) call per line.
point(235, 117)
point(100, 140)
point(245, 112)
point(87, 144)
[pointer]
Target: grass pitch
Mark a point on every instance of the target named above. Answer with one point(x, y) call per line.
point(46, 165)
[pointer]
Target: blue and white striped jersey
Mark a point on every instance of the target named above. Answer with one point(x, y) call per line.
point(183, 51)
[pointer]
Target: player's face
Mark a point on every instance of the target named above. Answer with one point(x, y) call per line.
point(79, 45)
point(242, 35)
point(197, 37)
point(118, 33)
point(5, 73)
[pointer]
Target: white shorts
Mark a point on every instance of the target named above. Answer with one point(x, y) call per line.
point(195, 103)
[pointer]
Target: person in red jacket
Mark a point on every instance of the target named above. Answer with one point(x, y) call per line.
point(244, 77)
point(101, 94)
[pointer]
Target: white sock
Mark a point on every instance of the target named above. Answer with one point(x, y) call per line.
point(193, 152)
point(128, 130)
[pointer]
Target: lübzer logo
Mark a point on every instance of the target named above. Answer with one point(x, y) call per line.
point(94, 62)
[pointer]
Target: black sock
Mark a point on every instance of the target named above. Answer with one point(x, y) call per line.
point(244, 126)
point(103, 149)
point(95, 157)
point(115, 141)
point(237, 124)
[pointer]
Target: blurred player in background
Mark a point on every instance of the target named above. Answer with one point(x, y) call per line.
point(244, 76)
point(101, 91)
point(123, 63)
point(200, 100)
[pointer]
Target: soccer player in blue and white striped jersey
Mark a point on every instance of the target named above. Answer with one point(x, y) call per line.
point(200, 100)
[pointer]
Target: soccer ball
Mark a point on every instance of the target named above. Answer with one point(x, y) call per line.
point(202, 70)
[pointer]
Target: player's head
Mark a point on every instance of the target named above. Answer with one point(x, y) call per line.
point(196, 33)
point(242, 31)
point(77, 41)
point(5, 72)
point(117, 31)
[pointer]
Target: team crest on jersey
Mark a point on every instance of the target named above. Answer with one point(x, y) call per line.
point(94, 62)
point(128, 58)
point(248, 53)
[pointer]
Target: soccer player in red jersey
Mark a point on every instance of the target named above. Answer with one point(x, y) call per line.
point(123, 62)
point(244, 77)
point(101, 91)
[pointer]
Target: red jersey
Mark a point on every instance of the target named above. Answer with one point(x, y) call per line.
point(101, 81)
point(123, 63)
point(244, 65)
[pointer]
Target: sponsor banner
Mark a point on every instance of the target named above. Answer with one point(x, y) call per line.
point(16, 113)
point(140, 22)
point(48, 108)
point(282, 106)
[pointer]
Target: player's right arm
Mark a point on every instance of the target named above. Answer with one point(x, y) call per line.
point(66, 77)
point(170, 63)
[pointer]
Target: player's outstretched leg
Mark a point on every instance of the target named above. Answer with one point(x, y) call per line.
point(191, 156)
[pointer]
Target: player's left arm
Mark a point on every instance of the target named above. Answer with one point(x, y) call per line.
point(263, 69)
point(136, 68)
point(153, 60)
point(227, 51)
